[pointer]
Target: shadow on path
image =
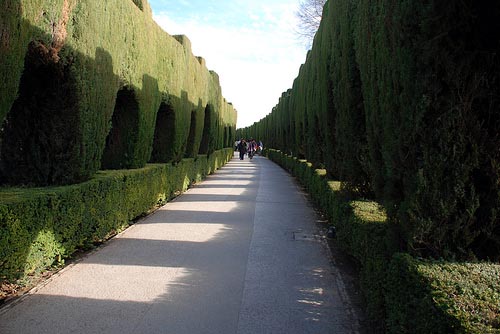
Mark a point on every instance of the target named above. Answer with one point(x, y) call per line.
point(222, 258)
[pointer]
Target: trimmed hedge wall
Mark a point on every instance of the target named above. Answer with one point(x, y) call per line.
point(400, 101)
point(403, 294)
point(84, 80)
point(40, 226)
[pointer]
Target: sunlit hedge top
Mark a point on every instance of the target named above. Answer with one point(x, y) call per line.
point(77, 56)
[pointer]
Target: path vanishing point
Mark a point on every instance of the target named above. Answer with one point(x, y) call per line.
point(240, 252)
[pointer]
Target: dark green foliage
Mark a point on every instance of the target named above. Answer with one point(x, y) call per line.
point(102, 98)
point(430, 102)
point(437, 297)
point(195, 133)
point(11, 52)
point(460, 158)
point(89, 80)
point(139, 4)
point(190, 144)
point(40, 128)
point(164, 134)
point(75, 56)
point(207, 140)
point(40, 226)
point(411, 308)
point(400, 101)
point(320, 109)
point(227, 136)
point(415, 112)
point(365, 234)
point(51, 119)
point(351, 155)
point(119, 150)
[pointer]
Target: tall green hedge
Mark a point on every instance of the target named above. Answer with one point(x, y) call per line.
point(400, 101)
point(349, 134)
point(431, 83)
point(84, 82)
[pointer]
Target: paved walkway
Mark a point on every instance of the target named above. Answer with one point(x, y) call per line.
point(237, 253)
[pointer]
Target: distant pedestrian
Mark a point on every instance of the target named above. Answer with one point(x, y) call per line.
point(252, 148)
point(242, 148)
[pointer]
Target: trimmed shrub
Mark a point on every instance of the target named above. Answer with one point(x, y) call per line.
point(363, 233)
point(439, 297)
point(43, 226)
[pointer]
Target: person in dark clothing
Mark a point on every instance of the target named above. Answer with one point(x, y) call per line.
point(242, 148)
point(252, 148)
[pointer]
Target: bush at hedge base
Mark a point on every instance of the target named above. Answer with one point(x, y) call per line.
point(428, 297)
point(43, 226)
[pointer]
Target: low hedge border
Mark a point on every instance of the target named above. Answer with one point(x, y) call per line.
point(442, 297)
point(403, 294)
point(43, 226)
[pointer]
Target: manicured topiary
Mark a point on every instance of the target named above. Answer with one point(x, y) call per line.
point(439, 297)
point(84, 81)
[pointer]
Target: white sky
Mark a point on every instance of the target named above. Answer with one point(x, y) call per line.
point(251, 44)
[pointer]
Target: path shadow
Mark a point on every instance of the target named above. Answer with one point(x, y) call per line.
point(191, 279)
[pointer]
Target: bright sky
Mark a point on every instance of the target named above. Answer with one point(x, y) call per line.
point(251, 44)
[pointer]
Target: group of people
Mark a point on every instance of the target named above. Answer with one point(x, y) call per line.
point(250, 147)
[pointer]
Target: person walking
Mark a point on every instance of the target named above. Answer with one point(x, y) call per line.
point(242, 148)
point(252, 147)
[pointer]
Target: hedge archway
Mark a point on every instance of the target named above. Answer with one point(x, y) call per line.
point(38, 135)
point(123, 135)
point(206, 146)
point(164, 134)
point(190, 143)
